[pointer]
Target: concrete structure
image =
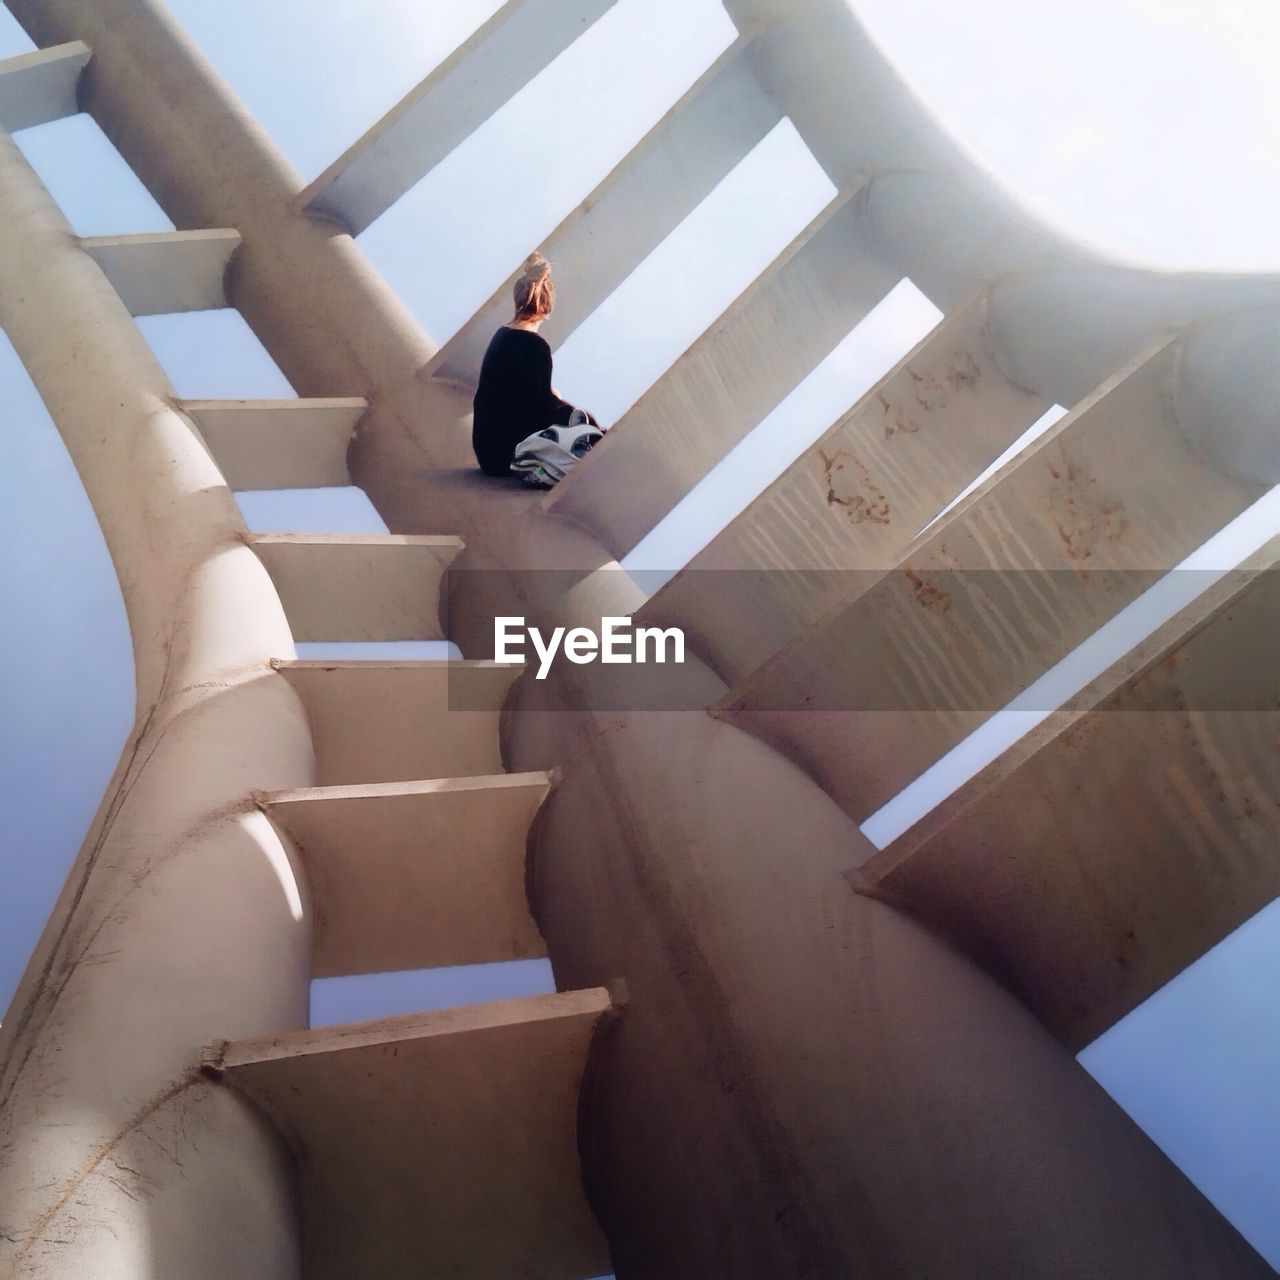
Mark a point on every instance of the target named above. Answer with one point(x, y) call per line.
point(831, 1062)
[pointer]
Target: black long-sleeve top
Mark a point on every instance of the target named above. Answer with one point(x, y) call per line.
point(514, 397)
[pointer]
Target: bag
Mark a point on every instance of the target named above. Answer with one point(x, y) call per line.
point(544, 458)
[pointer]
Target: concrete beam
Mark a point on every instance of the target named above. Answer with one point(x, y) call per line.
point(160, 272)
point(673, 168)
point(728, 381)
point(339, 586)
point(854, 501)
point(437, 1144)
point(522, 38)
point(1123, 838)
point(279, 444)
point(38, 87)
point(400, 721)
point(1007, 583)
point(414, 875)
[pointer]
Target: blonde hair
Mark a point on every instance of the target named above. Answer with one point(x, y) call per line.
point(534, 293)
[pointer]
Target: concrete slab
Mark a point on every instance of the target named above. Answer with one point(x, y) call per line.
point(358, 586)
point(673, 168)
point(1008, 582)
point(1113, 846)
point(855, 501)
point(414, 875)
point(729, 380)
point(38, 87)
point(279, 444)
point(408, 142)
point(438, 1144)
point(401, 721)
point(158, 273)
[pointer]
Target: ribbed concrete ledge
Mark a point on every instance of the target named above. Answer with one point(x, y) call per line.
point(854, 501)
point(279, 444)
point(439, 1144)
point(38, 87)
point(158, 273)
point(414, 875)
point(352, 587)
point(401, 721)
point(1007, 583)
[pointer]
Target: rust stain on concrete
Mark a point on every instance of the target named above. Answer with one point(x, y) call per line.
point(927, 594)
point(899, 421)
point(850, 488)
point(1082, 516)
point(934, 389)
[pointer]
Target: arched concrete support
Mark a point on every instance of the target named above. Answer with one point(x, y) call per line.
point(182, 913)
point(943, 220)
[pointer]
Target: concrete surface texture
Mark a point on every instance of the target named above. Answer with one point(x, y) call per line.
point(774, 1053)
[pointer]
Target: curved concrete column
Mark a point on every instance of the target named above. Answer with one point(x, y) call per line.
point(182, 919)
point(806, 1083)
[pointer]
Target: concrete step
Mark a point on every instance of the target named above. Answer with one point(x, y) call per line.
point(415, 875)
point(355, 587)
point(401, 721)
point(736, 373)
point(161, 272)
point(437, 1144)
point(38, 87)
point(279, 444)
point(854, 501)
point(649, 193)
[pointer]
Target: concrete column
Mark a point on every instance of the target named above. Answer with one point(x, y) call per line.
point(182, 919)
point(805, 1083)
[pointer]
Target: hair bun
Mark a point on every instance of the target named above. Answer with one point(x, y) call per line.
point(536, 268)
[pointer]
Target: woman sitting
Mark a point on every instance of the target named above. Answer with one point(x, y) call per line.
point(515, 398)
